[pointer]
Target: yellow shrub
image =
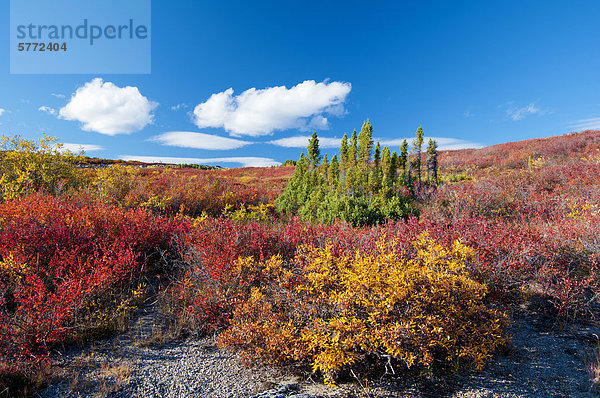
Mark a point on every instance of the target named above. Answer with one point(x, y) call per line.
point(578, 210)
point(115, 183)
point(156, 202)
point(12, 271)
point(27, 167)
point(416, 307)
point(251, 213)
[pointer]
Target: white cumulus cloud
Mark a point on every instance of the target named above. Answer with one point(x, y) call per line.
point(188, 139)
point(243, 161)
point(260, 112)
point(2, 111)
point(47, 109)
point(301, 141)
point(108, 109)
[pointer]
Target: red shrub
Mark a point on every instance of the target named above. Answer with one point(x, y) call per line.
point(62, 263)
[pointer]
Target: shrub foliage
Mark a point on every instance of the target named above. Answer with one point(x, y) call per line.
point(69, 270)
point(334, 311)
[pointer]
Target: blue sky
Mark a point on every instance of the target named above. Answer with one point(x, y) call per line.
point(240, 82)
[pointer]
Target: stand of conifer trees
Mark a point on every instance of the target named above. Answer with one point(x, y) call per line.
point(365, 186)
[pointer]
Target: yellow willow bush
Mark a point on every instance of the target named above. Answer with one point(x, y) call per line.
point(27, 167)
point(115, 184)
point(416, 308)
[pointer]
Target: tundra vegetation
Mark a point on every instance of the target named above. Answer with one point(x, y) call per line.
point(375, 259)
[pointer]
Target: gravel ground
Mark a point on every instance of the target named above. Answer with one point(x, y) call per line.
point(542, 361)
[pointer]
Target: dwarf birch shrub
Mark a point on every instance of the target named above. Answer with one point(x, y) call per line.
point(419, 307)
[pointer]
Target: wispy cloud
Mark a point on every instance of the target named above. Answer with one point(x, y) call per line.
point(261, 112)
point(444, 143)
point(242, 161)
point(468, 114)
point(517, 113)
point(2, 110)
point(108, 109)
point(47, 109)
point(301, 141)
point(586, 124)
point(61, 96)
point(67, 146)
point(187, 139)
point(178, 107)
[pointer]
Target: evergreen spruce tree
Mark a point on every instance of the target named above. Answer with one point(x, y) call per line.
point(334, 171)
point(372, 184)
point(302, 164)
point(409, 174)
point(432, 163)
point(377, 166)
point(344, 152)
point(417, 147)
point(325, 167)
point(377, 157)
point(365, 145)
point(352, 174)
point(385, 167)
point(353, 151)
point(393, 168)
point(314, 152)
point(365, 150)
point(349, 183)
point(403, 156)
point(292, 197)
